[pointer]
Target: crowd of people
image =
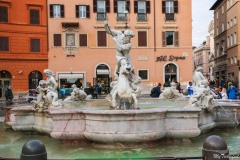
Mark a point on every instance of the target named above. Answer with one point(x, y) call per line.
point(223, 90)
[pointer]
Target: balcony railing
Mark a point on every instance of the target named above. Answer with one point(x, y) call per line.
point(101, 16)
point(169, 16)
point(121, 17)
point(142, 17)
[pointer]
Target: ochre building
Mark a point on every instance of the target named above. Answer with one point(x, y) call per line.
point(23, 44)
point(81, 51)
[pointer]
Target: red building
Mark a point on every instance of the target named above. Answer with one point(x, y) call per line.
point(23, 44)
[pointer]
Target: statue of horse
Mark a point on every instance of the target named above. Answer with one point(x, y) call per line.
point(123, 94)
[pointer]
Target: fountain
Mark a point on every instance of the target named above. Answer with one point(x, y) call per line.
point(128, 122)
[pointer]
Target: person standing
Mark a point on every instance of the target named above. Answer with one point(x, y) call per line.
point(223, 92)
point(155, 92)
point(95, 91)
point(9, 96)
point(190, 88)
point(232, 92)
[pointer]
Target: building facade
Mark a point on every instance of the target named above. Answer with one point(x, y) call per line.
point(80, 49)
point(233, 43)
point(201, 57)
point(23, 44)
point(212, 50)
point(220, 39)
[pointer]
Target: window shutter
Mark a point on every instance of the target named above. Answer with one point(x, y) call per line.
point(32, 45)
point(176, 43)
point(51, 11)
point(83, 40)
point(37, 45)
point(135, 6)
point(62, 11)
point(37, 17)
point(77, 11)
point(115, 3)
point(163, 39)
point(142, 38)
point(6, 48)
point(31, 16)
point(4, 14)
point(57, 40)
point(148, 6)
point(88, 11)
point(102, 38)
point(94, 6)
point(128, 6)
point(163, 6)
point(175, 6)
point(107, 6)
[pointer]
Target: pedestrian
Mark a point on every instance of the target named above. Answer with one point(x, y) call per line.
point(95, 91)
point(223, 92)
point(222, 82)
point(178, 87)
point(218, 91)
point(155, 92)
point(232, 92)
point(190, 88)
point(9, 96)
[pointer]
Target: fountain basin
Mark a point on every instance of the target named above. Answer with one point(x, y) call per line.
point(122, 128)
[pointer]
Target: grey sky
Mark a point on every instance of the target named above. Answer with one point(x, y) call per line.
point(201, 16)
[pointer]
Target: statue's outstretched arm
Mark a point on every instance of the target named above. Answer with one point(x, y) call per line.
point(110, 31)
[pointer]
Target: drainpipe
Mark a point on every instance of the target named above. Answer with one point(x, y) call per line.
point(47, 24)
point(154, 27)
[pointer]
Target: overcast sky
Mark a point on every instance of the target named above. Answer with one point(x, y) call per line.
point(202, 17)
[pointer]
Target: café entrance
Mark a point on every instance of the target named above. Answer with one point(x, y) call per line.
point(5, 81)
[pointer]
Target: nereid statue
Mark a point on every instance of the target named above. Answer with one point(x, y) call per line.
point(48, 95)
point(126, 86)
point(77, 95)
point(170, 92)
point(202, 96)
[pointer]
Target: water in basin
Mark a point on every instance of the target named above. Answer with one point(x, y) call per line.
point(11, 143)
point(143, 104)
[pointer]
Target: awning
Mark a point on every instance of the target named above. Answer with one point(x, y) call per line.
point(69, 75)
point(102, 71)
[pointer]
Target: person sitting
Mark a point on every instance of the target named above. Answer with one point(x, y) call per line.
point(190, 88)
point(155, 92)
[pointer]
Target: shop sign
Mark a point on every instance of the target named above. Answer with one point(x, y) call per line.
point(170, 58)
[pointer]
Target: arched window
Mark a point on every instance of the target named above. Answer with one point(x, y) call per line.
point(34, 78)
point(170, 73)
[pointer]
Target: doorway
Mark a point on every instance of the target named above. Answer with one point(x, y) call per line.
point(170, 74)
point(5, 81)
point(102, 78)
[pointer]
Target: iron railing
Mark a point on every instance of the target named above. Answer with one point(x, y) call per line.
point(142, 17)
point(121, 17)
point(101, 16)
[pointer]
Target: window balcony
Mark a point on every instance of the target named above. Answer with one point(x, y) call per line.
point(169, 17)
point(101, 16)
point(121, 17)
point(142, 17)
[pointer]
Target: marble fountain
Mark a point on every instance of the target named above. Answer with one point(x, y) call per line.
point(123, 120)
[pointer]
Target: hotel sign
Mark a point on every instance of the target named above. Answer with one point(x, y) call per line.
point(170, 58)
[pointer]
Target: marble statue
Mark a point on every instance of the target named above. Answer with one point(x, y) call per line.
point(126, 86)
point(170, 92)
point(78, 95)
point(202, 95)
point(48, 95)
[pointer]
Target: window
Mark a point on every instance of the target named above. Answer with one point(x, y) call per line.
point(235, 59)
point(101, 7)
point(228, 4)
point(170, 38)
point(235, 38)
point(142, 8)
point(83, 40)
point(217, 15)
point(143, 74)
point(102, 38)
point(4, 44)
point(82, 11)
point(231, 60)
point(228, 41)
point(227, 25)
point(34, 16)
point(235, 20)
point(120, 10)
point(217, 30)
point(3, 14)
point(142, 38)
point(231, 40)
point(222, 27)
point(223, 49)
point(231, 22)
point(222, 9)
point(169, 7)
point(56, 11)
point(33, 79)
point(57, 39)
point(217, 51)
point(35, 45)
